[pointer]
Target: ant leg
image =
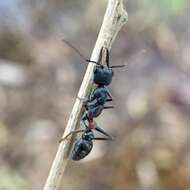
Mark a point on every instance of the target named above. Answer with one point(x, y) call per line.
point(70, 133)
point(108, 137)
point(101, 138)
point(109, 94)
point(108, 107)
point(117, 66)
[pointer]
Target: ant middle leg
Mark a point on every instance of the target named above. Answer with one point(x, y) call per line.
point(108, 107)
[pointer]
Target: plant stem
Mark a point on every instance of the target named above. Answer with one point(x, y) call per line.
point(115, 17)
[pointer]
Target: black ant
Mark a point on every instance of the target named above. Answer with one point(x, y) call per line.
point(94, 104)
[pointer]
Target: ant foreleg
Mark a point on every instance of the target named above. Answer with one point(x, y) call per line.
point(117, 66)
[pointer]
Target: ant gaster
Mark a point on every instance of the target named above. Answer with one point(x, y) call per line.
point(84, 144)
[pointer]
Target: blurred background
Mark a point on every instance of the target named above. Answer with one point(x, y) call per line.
point(40, 77)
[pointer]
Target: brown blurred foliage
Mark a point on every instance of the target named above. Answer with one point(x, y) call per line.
point(40, 77)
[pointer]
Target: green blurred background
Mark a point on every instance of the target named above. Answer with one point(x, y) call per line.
point(40, 77)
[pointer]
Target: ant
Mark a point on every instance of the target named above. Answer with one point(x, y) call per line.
point(94, 104)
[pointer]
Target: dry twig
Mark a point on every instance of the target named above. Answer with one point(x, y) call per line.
point(114, 18)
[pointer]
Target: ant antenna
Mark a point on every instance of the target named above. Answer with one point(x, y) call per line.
point(78, 52)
